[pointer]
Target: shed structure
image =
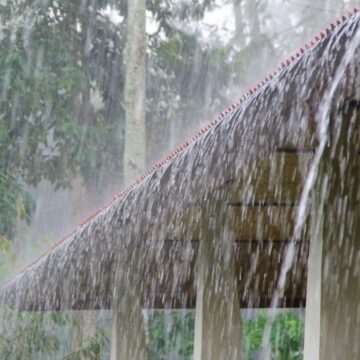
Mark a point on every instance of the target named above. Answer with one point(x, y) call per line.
point(228, 220)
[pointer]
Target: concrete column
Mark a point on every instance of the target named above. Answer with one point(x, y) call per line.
point(218, 332)
point(128, 340)
point(332, 329)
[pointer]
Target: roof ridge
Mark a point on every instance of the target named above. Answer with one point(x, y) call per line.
point(234, 106)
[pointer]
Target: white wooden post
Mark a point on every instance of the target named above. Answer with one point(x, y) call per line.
point(332, 328)
point(217, 321)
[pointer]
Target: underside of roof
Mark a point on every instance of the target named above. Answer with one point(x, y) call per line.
point(252, 160)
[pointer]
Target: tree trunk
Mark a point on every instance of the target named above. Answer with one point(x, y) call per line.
point(128, 330)
point(135, 51)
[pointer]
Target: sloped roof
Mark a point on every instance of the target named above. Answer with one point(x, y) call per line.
point(78, 271)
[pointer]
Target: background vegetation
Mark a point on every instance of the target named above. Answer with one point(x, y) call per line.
point(170, 336)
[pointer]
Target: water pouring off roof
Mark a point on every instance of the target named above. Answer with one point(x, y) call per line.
point(252, 158)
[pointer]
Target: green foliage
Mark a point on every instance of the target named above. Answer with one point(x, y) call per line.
point(170, 332)
point(187, 84)
point(32, 335)
point(165, 12)
point(15, 204)
point(48, 124)
point(287, 337)
point(253, 334)
point(91, 347)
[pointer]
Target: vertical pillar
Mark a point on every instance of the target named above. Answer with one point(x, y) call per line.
point(332, 329)
point(217, 320)
point(313, 291)
point(128, 338)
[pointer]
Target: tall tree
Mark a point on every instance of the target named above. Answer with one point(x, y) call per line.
point(128, 329)
point(135, 90)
